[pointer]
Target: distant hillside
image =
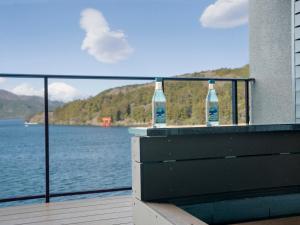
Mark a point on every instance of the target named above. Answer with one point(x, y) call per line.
point(131, 104)
point(20, 106)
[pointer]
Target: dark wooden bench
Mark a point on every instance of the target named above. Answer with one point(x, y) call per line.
point(194, 165)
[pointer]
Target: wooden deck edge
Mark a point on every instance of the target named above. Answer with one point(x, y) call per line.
point(37, 207)
point(145, 213)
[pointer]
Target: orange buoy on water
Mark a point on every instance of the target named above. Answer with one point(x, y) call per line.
point(106, 122)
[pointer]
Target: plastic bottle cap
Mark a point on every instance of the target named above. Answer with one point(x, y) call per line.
point(211, 82)
point(158, 79)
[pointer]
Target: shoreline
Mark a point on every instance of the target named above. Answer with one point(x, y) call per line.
point(22, 121)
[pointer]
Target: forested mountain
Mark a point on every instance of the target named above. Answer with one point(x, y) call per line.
point(131, 104)
point(21, 106)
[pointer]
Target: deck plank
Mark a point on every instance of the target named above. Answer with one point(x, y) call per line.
point(62, 205)
point(65, 211)
point(119, 221)
point(104, 211)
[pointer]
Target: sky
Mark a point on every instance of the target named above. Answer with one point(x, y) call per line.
point(117, 37)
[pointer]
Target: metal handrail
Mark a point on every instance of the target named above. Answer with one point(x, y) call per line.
point(46, 77)
point(97, 77)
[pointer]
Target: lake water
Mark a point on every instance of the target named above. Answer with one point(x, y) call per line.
point(81, 158)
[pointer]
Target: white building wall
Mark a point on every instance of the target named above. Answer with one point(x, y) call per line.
point(296, 59)
point(271, 50)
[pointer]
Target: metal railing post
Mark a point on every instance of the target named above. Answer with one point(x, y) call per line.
point(247, 108)
point(46, 118)
point(234, 102)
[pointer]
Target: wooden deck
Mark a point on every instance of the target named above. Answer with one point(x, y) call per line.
point(97, 211)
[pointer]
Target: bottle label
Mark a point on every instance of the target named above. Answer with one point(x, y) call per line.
point(160, 112)
point(213, 112)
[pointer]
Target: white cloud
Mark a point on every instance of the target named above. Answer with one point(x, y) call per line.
point(105, 45)
point(27, 89)
point(225, 14)
point(62, 92)
point(2, 80)
point(58, 91)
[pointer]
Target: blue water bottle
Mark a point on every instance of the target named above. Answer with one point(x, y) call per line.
point(158, 105)
point(212, 105)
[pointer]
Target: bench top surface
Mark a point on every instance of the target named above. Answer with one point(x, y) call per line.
point(200, 129)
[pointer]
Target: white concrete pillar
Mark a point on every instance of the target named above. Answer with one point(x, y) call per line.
point(270, 28)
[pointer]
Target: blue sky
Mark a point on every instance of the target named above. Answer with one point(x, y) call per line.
point(118, 37)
